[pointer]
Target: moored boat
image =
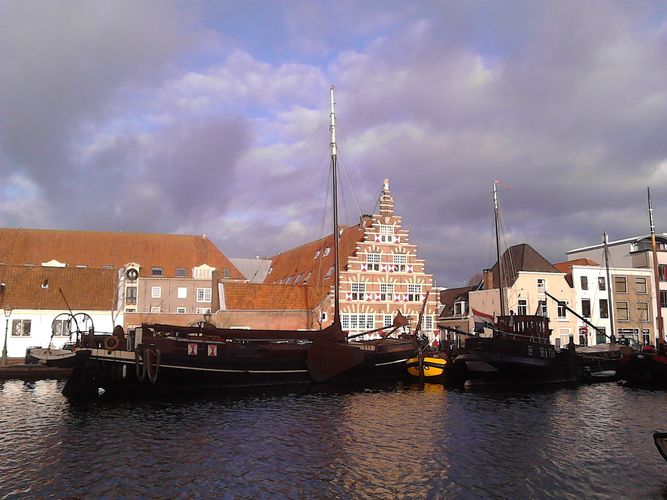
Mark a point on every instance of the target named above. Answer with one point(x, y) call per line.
point(158, 357)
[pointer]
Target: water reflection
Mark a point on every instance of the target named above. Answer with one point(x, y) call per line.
point(328, 442)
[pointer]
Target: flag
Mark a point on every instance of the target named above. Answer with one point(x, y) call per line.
point(481, 319)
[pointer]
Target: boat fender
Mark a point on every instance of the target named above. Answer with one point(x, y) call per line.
point(152, 356)
point(140, 367)
point(111, 343)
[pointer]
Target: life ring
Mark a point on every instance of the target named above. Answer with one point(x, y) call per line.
point(111, 343)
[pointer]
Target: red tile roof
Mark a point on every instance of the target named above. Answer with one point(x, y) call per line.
point(305, 260)
point(97, 249)
point(269, 297)
point(36, 287)
point(566, 267)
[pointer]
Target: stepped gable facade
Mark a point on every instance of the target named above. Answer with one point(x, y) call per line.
point(384, 276)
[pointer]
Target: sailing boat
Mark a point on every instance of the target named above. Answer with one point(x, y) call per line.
point(159, 357)
point(648, 367)
point(519, 352)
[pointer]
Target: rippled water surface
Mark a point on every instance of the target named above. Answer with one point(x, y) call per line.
point(387, 442)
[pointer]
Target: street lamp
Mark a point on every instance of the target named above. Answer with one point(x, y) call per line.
point(8, 313)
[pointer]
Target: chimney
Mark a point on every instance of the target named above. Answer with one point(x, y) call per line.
point(488, 279)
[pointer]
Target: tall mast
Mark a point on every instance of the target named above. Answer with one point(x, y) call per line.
point(336, 318)
point(610, 304)
point(500, 266)
point(656, 268)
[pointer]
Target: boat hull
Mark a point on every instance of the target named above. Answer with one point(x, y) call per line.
point(238, 365)
point(645, 369)
point(489, 362)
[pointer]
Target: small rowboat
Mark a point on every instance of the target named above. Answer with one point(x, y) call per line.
point(660, 440)
point(433, 367)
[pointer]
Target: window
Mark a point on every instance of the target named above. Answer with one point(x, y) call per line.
point(387, 320)
point(620, 284)
point(131, 295)
point(156, 271)
point(181, 272)
point(327, 250)
point(203, 310)
point(414, 292)
point(358, 291)
point(298, 278)
point(317, 254)
point(182, 292)
point(372, 261)
point(21, 328)
point(202, 272)
point(586, 308)
point(203, 295)
point(428, 323)
point(156, 292)
point(459, 308)
point(357, 322)
point(584, 282)
point(522, 308)
point(541, 285)
point(622, 312)
point(288, 280)
point(323, 316)
point(226, 273)
point(400, 262)
point(386, 291)
point(562, 311)
point(305, 280)
point(663, 298)
point(662, 272)
point(602, 283)
point(386, 233)
point(180, 310)
point(604, 308)
point(542, 308)
point(601, 335)
point(329, 272)
point(155, 309)
point(60, 328)
point(646, 336)
point(640, 284)
point(642, 311)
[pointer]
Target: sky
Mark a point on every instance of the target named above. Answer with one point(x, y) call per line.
point(212, 118)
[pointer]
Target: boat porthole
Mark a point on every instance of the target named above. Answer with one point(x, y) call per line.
point(124, 372)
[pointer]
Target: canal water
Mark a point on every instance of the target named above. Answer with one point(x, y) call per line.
point(396, 441)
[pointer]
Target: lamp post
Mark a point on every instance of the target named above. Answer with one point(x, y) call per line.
point(207, 317)
point(8, 313)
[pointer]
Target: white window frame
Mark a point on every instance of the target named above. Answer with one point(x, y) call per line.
point(358, 290)
point(156, 292)
point(562, 311)
point(181, 310)
point(182, 292)
point(20, 327)
point(155, 309)
point(414, 292)
point(203, 295)
point(400, 261)
point(522, 307)
point(541, 285)
point(373, 261)
point(386, 233)
point(643, 288)
point(60, 328)
point(357, 322)
point(203, 310)
point(386, 291)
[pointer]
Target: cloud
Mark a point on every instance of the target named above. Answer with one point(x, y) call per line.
point(213, 117)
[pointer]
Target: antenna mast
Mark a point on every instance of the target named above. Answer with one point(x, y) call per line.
point(610, 304)
point(660, 337)
point(336, 318)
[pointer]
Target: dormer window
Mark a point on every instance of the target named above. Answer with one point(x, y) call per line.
point(459, 307)
point(298, 278)
point(203, 272)
point(156, 271)
point(225, 273)
point(181, 272)
point(327, 250)
point(45, 283)
point(329, 272)
point(317, 254)
point(305, 280)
